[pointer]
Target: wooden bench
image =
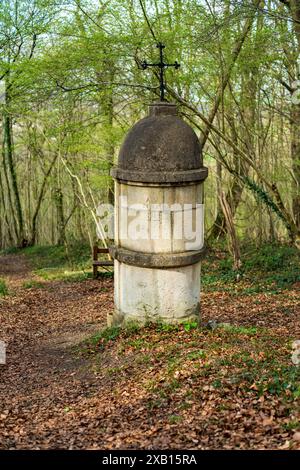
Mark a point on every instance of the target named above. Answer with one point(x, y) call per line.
point(100, 263)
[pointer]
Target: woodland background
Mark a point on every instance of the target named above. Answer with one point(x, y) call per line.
point(72, 85)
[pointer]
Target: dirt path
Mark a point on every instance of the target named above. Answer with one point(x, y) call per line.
point(52, 399)
point(39, 325)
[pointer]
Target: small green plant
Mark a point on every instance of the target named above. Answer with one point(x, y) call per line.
point(3, 288)
point(190, 326)
point(279, 380)
point(143, 359)
point(173, 419)
point(156, 403)
point(217, 383)
point(112, 371)
point(32, 284)
point(166, 327)
point(100, 340)
point(109, 334)
point(138, 343)
point(243, 330)
point(132, 328)
point(196, 355)
point(292, 425)
point(172, 385)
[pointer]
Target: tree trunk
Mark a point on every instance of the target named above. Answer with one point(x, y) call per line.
point(295, 154)
point(59, 201)
point(234, 243)
point(39, 204)
point(9, 163)
point(4, 217)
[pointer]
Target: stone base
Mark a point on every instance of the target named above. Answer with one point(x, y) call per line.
point(145, 295)
point(118, 319)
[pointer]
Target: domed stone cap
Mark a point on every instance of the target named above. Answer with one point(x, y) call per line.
point(160, 148)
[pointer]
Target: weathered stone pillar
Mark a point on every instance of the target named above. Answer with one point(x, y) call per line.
point(158, 221)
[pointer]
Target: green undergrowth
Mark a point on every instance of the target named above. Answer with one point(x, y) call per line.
point(32, 284)
point(59, 262)
point(71, 263)
point(270, 268)
point(184, 362)
point(3, 288)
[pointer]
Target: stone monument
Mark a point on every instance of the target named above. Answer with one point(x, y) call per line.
point(158, 221)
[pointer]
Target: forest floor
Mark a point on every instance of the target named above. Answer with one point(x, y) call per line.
point(71, 383)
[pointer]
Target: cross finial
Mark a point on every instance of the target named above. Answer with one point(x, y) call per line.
point(162, 65)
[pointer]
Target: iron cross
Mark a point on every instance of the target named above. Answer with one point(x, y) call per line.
point(162, 65)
